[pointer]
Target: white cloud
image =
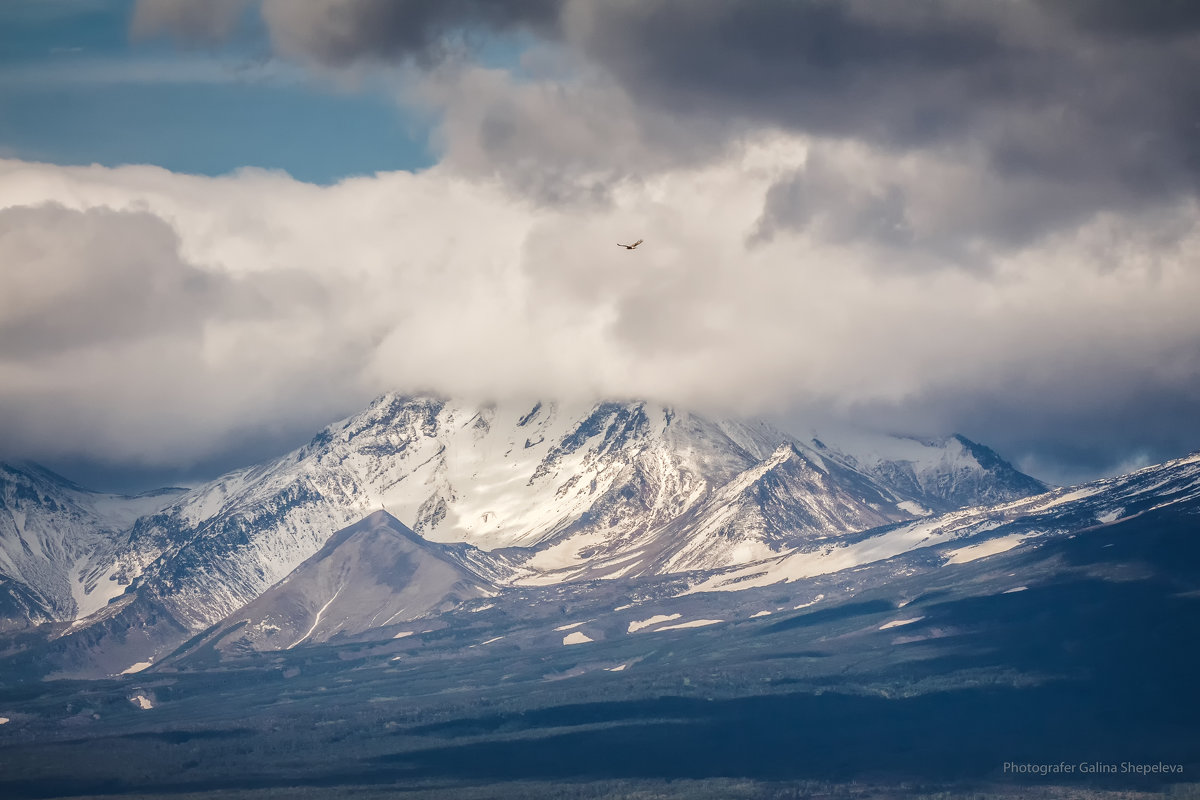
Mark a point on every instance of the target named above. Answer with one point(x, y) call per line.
point(169, 314)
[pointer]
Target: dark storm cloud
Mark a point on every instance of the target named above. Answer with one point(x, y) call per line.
point(818, 66)
point(1108, 125)
point(909, 74)
point(1166, 19)
point(336, 32)
point(1093, 100)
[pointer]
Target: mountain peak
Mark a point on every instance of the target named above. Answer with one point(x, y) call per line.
point(529, 492)
point(374, 524)
point(374, 573)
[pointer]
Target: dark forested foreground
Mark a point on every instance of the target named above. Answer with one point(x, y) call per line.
point(1084, 679)
point(679, 789)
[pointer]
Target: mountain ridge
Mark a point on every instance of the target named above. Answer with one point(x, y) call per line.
point(543, 493)
point(58, 541)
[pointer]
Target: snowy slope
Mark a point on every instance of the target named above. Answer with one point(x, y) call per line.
point(58, 544)
point(543, 493)
point(786, 499)
point(588, 491)
point(937, 474)
point(969, 534)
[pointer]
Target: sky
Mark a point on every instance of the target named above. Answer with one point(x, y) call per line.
point(226, 223)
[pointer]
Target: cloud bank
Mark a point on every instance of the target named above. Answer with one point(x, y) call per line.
point(913, 217)
point(160, 317)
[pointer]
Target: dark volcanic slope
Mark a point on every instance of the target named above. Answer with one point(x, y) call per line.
point(372, 573)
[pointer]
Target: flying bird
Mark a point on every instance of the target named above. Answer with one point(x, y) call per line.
point(630, 246)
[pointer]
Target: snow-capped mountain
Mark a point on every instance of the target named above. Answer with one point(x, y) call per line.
point(773, 505)
point(1056, 537)
point(57, 541)
point(591, 491)
point(973, 533)
point(543, 493)
point(940, 474)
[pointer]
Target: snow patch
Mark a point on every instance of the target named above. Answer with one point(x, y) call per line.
point(402, 634)
point(141, 701)
point(637, 625)
point(837, 557)
point(1015, 589)
point(696, 623)
point(576, 637)
point(916, 509)
point(1062, 497)
point(481, 644)
point(317, 621)
point(568, 627)
point(896, 623)
point(991, 547)
point(1112, 515)
point(617, 668)
point(138, 667)
point(749, 551)
point(760, 614)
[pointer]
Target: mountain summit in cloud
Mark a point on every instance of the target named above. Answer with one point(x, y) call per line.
point(535, 494)
point(972, 219)
point(774, 497)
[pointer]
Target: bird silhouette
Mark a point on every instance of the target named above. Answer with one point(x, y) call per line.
point(630, 246)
